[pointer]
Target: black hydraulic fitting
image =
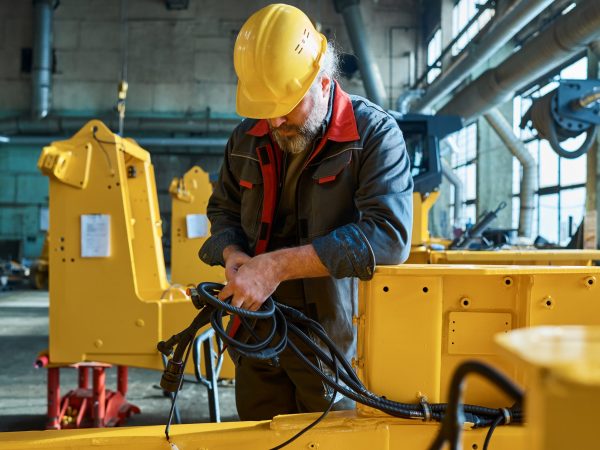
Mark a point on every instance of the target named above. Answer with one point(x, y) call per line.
point(171, 378)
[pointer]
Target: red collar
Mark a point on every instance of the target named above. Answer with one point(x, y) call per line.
point(342, 127)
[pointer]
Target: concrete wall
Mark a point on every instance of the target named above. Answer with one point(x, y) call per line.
point(178, 63)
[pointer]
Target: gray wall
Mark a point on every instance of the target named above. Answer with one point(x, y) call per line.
point(179, 62)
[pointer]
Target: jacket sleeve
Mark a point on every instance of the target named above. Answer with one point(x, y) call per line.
point(223, 211)
point(384, 201)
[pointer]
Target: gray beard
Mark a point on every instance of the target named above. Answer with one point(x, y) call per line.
point(305, 134)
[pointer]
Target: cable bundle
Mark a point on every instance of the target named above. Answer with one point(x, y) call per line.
point(284, 320)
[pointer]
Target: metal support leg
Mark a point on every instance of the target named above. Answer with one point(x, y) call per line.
point(53, 399)
point(211, 375)
point(211, 365)
point(99, 396)
point(122, 383)
point(84, 377)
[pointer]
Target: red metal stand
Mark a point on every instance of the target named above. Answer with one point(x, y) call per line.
point(84, 407)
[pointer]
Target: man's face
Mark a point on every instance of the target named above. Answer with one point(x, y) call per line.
point(295, 132)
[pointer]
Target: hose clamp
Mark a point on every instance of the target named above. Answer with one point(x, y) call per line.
point(507, 415)
point(426, 408)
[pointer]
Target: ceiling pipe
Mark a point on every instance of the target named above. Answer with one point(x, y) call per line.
point(529, 181)
point(369, 70)
point(501, 31)
point(57, 125)
point(41, 71)
point(454, 180)
point(216, 142)
point(554, 46)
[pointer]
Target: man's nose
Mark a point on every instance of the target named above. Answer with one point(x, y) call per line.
point(277, 121)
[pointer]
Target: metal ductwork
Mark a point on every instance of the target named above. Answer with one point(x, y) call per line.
point(562, 40)
point(459, 192)
point(501, 31)
point(58, 125)
point(41, 72)
point(369, 70)
point(529, 181)
point(204, 142)
point(406, 99)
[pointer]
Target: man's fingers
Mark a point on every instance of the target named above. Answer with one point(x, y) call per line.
point(225, 293)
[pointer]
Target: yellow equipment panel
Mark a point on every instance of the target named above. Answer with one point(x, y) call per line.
point(190, 195)
point(341, 430)
point(521, 257)
point(417, 323)
point(108, 273)
point(563, 367)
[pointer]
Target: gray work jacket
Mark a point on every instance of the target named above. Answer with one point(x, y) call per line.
point(354, 205)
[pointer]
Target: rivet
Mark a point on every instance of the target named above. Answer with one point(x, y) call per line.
point(140, 322)
point(465, 302)
point(98, 343)
point(313, 445)
point(508, 281)
point(590, 282)
point(548, 302)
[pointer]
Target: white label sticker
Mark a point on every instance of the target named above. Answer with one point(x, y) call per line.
point(197, 225)
point(95, 236)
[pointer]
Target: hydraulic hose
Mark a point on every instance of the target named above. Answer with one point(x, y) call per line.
point(284, 320)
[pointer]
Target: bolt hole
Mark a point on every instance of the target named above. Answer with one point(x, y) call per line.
point(386, 289)
point(118, 184)
point(109, 186)
point(62, 239)
point(548, 302)
point(465, 302)
point(474, 446)
point(590, 282)
point(62, 248)
point(426, 289)
point(64, 260)
point(72, 259)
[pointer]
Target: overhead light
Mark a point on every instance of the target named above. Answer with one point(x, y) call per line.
point(4, 139)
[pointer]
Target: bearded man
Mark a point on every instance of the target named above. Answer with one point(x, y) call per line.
point(314, 191)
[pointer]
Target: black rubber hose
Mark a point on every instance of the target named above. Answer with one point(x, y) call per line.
point(266, 310)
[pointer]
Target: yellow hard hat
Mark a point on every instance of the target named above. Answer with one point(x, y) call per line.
point(277, 56)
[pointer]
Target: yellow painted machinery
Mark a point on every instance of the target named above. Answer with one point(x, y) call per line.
point(558, 366)
point(421, 253)
point(108, 278)
point(110, 301)
point(189, 230)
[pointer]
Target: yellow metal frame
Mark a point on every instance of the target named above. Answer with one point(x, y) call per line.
point(561, 408)
point(111, 309)
point(417, 323)
point(190, 195)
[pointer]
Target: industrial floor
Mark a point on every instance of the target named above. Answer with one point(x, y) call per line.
point(24, 333)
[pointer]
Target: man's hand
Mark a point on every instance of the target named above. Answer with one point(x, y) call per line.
point(234, 259)
point(252, 281)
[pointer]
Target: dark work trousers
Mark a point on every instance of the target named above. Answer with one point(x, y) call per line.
point(263, 390)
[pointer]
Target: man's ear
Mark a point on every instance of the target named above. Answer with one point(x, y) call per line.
point(325, 85)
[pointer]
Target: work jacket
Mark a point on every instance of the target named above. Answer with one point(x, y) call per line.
point(353, 204)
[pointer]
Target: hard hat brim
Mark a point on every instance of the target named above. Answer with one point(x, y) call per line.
point(247, 107)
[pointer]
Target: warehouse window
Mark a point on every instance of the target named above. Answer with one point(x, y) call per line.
point(464, 166)
point(462, 14)
point(560, 200)
point(434, 50)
